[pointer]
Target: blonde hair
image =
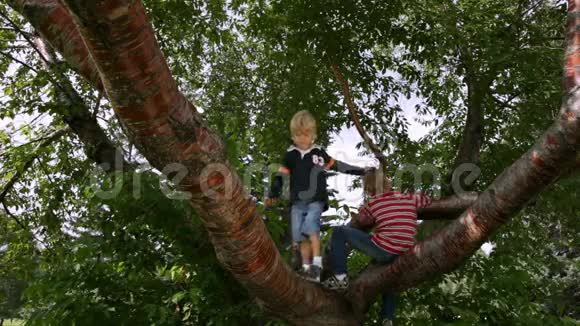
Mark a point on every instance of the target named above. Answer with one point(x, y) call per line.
point(375, 182)
point(302, 123)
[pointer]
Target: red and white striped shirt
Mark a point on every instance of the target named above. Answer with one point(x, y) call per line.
point(394, 215)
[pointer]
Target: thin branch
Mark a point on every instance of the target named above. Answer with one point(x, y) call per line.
point(27, 124)
point(20, 62)
point(354, 115)
point(25, 144)
point(98, 104)
point(14, 47)
point(12, 216)
point(531, 9)
point(54, 82)
point(42, 57)
point(505, 104)
point(26, 37)
point(47, 141)
point(33, 121)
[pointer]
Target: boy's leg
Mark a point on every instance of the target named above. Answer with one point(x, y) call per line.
point(315, 243)
point(358, 240)
point(297, 213)
point(311, 227)
point(338, 250)
point(306, 252)
point(338, 256)
point(388, 308)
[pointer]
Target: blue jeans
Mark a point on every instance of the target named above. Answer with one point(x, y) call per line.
point(305, 219)
point(360, 241)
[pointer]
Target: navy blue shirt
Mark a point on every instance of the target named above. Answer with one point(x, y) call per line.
point(307, 170)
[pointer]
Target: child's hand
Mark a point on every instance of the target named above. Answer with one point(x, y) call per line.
point(354, 219)
point(269, 202)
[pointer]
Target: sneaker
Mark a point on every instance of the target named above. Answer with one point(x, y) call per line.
point(332, 283)
point(303, 273)
point(313, 273)
point(387, 322)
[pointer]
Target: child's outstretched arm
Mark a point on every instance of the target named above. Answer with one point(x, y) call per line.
point(422, 200)
point(342, 167)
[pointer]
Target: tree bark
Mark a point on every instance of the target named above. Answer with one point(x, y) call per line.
point(470, 148)
point(447, 208)
point(53, 21)
point(167, 129)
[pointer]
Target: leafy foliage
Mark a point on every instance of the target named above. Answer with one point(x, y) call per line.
point(138, 257)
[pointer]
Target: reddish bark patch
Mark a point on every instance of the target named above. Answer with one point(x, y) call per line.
point(552, 141)
point(537, 160)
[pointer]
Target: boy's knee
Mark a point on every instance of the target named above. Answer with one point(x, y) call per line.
point(339, 229)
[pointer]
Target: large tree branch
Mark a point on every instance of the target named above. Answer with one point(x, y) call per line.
point(470, 147)
point(52, 20)
point(448, 208)
point(355, 116)
point(168, 130)
point(557, 149)
point(96, 144)
point(102, 151)
point(572, 61)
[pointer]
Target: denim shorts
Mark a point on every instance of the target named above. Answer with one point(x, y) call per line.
point(305, 219)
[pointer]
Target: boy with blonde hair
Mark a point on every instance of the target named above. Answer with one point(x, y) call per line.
point(393, 215)
point(306, 164)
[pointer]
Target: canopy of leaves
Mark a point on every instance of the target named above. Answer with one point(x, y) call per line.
point(249, 65)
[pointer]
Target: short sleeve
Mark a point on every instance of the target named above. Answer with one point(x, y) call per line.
point(422, 200)
point(327, 158)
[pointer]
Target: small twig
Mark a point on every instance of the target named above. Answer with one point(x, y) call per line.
point(17, 60)
point(12, 216)
point(14, 30)
point(98, 104)
point(504, 103)
point(48, 140)
point(26, 37)
point(15, 47)
point(32, 122)
point(49, 65)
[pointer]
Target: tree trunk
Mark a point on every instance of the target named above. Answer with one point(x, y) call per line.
point(169, 132)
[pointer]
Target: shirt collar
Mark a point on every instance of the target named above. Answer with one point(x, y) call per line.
point(303, 152)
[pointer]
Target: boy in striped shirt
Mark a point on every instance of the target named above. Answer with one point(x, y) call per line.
point(393, 215)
